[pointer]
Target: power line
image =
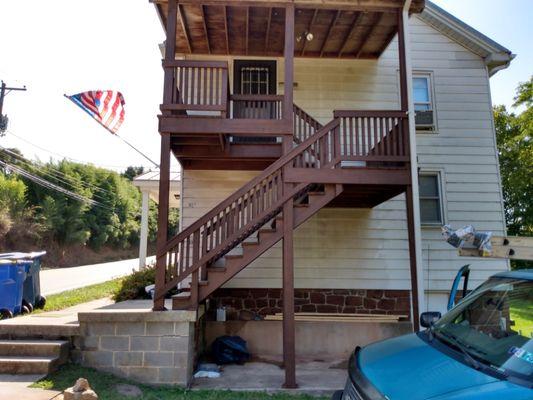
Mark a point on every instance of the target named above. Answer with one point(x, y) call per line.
point(44, 183)
point(57, 174)
point(66, 157)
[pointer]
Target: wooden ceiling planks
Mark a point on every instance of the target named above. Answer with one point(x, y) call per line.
point(210, 27)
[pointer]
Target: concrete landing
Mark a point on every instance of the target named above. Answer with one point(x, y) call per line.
point(53, 324)
point(16, 387)
point(315, 378)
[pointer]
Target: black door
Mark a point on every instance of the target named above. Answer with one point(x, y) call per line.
point(254, 77)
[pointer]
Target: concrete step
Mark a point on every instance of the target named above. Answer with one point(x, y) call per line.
point(37, 347)
point(25, 365)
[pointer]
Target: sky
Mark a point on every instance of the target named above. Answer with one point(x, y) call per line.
point(58, 47)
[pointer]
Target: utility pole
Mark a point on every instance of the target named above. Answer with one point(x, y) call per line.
point(4, 91)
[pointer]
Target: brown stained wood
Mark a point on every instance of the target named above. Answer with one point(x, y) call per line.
point(417, 6)
point(367, 34)
point(184, 28)
point(309, 29)
point(363, 176)
point(247, 30)
point(267, 34)
point(202, 10)
point(328, 33)
point(359, 16)
point(257, 29)
point(226, 30)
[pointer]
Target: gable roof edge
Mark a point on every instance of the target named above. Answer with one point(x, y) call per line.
point(496, 56)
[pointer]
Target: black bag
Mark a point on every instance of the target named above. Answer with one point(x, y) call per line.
point(230, 350)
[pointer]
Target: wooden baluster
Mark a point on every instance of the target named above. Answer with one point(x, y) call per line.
point(364, 133)
point(337, 143)
point(193, 85)
point(203, 252)
point(186, 71)
point(218, 96)
point(391, 138)
point(210, 89)
point(194, 279)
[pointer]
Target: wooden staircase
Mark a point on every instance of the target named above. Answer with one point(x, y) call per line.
point(216, 247)
point(267, 236)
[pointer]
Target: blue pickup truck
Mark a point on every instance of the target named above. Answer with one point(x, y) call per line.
point(481, 349)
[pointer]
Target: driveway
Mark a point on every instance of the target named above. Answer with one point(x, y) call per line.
point(61, 279)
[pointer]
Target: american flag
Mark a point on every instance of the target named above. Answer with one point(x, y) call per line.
point(105, 106)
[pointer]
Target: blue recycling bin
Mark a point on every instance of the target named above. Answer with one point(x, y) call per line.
point(12, 276)
point(31, 294)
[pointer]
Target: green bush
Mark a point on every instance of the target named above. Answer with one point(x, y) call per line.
point(132, 286)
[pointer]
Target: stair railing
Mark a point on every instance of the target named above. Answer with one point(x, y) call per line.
point(262, 199)
point(235, 218)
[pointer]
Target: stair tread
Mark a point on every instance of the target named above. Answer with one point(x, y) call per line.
point(216, 269)
point(232, 256)
point(182, 295)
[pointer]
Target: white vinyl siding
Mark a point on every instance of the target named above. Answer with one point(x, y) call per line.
point(368, 248)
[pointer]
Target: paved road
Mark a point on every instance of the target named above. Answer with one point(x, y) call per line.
point(60, 279)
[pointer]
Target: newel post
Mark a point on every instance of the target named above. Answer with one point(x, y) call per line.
point(411, 192)
point(164, 169)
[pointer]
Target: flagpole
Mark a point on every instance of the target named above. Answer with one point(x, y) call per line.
point(113, 133)
point(137, 150)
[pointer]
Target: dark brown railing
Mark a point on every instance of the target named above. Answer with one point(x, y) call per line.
point(304, 125)
point(254, 106)
point(361, 135)
point(372, 135)
point(198, 86)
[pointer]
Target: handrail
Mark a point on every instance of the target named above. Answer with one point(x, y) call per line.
point(278, 164)
point(369, 114)
point(194, 64)
point(256, 97)
point(304, 125)
point(262, 198)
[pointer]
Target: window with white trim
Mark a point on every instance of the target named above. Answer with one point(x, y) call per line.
point(423, 102)
point(430, 198)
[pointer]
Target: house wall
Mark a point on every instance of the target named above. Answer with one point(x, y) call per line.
point(368, 248)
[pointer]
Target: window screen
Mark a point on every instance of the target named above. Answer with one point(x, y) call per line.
point(421, 93)
point(430, 199)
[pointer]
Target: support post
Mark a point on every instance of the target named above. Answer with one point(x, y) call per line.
point(411, 193)
point(143, 244)
point(164, 168)
point(289, 346)
point(162, 222)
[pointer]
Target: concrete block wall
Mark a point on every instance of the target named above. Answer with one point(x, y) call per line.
point(155, 348)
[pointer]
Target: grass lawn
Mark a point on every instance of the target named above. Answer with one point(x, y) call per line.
point(104, 385)
point(69, 298)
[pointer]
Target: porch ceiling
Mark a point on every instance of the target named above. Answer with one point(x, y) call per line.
point(340, 28)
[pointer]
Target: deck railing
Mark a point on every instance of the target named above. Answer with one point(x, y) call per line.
point(199, 86)
point(372, 135)
point(257, 106)
point(258, 201)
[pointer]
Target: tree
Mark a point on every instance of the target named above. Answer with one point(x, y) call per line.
point(131, 172)
point(514, 134)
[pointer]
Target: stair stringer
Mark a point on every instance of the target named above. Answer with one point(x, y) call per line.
point(266, 240)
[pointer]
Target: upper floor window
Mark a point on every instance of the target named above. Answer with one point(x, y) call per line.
point(423, 101)
point(430, 199)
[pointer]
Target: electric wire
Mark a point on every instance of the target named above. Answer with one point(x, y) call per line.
point(57, 174)
point(63, 156)
point(44, 183)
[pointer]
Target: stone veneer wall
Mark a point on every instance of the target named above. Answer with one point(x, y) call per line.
point(149, 347)
point(269, 301)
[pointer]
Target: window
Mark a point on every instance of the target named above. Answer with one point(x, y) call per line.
point(422, 98)
point(430, 199)
point(421, 93)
